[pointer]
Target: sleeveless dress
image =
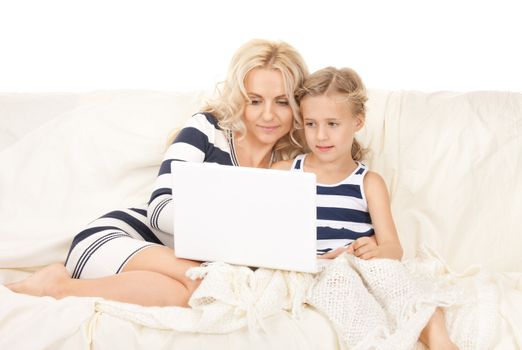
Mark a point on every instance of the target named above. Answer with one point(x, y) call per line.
point(342, 209)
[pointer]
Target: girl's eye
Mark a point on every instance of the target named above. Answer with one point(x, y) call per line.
point(333, 124)
point(254, 102)
point(309, 124)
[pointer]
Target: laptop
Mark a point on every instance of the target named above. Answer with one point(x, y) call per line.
point(245, 216)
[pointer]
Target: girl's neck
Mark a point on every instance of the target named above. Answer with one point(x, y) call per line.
point(329, 172)
point(250, 154)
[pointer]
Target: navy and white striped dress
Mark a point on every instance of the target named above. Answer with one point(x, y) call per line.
point(107, 243)
point(342, 210)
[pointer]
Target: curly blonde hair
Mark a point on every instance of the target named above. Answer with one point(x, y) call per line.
point(345, 82)
point(228, 107)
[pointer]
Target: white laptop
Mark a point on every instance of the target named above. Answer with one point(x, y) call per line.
point(245, 216)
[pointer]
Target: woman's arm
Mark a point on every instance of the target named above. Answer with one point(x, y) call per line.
point(190, 145)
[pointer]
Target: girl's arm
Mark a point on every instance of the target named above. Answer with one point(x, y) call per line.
point(388, 244)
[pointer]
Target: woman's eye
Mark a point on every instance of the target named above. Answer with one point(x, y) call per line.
point(254, 102)
point(282, 102)
point(333, 124)
point(309, 124)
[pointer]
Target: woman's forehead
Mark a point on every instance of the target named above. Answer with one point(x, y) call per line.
point(265, 80)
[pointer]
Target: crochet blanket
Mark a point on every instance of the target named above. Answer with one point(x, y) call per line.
point(372, 304)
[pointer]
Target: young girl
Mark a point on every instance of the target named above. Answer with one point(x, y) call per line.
point(353, 211)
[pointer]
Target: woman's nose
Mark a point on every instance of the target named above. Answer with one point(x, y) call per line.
point(268, 113)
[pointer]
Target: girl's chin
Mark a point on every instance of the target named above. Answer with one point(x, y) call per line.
point(326, 156)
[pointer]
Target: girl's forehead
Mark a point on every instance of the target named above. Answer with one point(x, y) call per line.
point(321, 105)
point(326, 99)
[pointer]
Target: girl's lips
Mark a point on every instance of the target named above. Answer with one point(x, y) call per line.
point(324, 148)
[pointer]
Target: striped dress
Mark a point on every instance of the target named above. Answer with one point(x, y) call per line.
point(342, 210)
point(107, 243)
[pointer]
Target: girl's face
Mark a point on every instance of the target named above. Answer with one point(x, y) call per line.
point(329, 126)
point(268, 115)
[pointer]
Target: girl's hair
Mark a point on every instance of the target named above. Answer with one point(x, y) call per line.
point(345, 82)
point(229, 105)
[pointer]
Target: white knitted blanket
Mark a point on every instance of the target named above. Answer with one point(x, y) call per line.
point(375, 304)
point(372, 304)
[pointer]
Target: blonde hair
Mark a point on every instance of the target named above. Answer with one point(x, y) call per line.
point(345, 82)
point(229, 105)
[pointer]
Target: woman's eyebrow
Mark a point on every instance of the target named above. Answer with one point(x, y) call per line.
point(257, 95)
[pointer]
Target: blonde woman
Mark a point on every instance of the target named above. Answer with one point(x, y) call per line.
point(126, 255)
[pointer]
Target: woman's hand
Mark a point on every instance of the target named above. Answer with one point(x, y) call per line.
point(364, 248)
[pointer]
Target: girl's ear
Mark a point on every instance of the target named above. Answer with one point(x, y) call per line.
point(359, 121)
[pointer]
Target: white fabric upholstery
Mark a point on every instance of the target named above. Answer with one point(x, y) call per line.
point(452, 162)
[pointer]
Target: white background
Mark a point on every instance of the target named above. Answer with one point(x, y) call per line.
point(68, 45)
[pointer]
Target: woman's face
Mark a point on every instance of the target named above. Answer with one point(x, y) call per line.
point(268, 115)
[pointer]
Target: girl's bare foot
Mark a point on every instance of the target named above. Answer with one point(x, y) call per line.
point(45, 282)
point(447, 345)
point(435, 335)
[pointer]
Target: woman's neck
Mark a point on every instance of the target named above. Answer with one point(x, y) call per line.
point(254, 155)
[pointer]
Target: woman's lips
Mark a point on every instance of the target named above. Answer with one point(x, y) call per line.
point(268, 128)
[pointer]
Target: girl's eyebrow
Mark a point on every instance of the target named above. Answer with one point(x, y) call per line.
point(327, 119)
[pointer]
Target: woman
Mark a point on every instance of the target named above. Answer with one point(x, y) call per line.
point(126, 255)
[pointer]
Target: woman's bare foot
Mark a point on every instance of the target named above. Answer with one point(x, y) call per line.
point(45, 282)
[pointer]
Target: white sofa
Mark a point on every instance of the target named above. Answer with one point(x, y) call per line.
point(452, 161)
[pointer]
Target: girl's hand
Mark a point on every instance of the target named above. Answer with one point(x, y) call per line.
point(332, 254)
point(364, 248)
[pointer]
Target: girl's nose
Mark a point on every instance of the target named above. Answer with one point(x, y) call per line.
point(321, 133)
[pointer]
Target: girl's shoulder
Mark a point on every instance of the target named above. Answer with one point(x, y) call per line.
point(282, 164)
point(374, 184)
point(371, 177)
point(289, 164)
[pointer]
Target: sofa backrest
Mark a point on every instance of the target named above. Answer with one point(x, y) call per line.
point(452, 163)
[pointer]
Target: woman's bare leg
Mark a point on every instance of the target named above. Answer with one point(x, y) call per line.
point(435, 335)
point(152, 277)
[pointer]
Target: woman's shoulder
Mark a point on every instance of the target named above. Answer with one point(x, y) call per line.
point(200, 127)
point(207, 118)
point(205, 123)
